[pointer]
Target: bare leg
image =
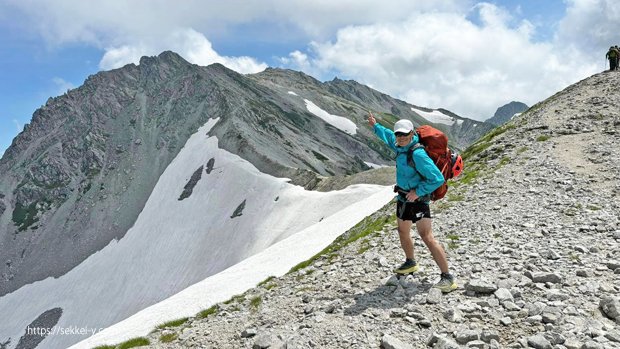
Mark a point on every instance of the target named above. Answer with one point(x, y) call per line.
point(404, 233)
point(426, 233)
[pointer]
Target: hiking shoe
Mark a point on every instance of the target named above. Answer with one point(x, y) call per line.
point(410, 266)
point(446, 283)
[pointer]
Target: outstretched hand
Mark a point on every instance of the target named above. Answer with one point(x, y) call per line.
point(371, 119)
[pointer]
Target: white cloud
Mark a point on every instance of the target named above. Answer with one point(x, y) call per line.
point(591, 25)
point(116, 57)
point(62, 86)
point(442, 59)
point(189, 43)
point(18, 126)
point(105, 22)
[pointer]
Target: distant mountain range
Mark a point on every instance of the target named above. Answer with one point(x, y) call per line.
point(507, 112)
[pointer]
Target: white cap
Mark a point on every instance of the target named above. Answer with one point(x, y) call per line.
point(404, 126)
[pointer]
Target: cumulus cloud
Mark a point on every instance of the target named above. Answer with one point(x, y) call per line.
point(102, 22)
point(116, 57)
point(590, 25)
point(190, 44)
point(443, 59)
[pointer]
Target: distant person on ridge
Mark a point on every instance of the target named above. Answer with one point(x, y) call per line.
point(613, 54)
point(413, 207)
point(617, 58)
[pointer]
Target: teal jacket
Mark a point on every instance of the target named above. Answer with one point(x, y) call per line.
point(425, 178)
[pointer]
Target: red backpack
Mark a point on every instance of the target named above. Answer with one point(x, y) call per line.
point(435, 143)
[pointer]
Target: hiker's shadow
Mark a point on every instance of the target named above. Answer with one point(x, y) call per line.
point(393, 294)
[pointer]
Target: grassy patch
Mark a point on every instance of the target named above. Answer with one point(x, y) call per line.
point(468, 177)
point(365, 246)
point(455, 197)
point(208, 312)
point(505, 160)
point(453, 245)
point(497, 131)
point(236, 299)
point(453, 237)
point(593, 208)
point(475, 149)
point(105, 347)
point(485, 141)
point(133, 343)
point(255, 302)
point(521, 150)
point(173, 323)
point(386, 119)
point(25, 216)
point(542, 138)
point(266, 281)
point(167, 338)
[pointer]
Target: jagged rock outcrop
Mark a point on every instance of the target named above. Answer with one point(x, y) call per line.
point(191, 184)
point(531, 231)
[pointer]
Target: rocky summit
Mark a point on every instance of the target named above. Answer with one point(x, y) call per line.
point(531, 232)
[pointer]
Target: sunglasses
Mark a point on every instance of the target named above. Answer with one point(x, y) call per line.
point(402, 134)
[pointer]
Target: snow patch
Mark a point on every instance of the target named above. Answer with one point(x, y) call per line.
point(276, 260)
point(370, 164)
point(292, 93)
point(339, 122)
point(436, 117)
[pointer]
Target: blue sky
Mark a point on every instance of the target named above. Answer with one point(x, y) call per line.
point(467, 56)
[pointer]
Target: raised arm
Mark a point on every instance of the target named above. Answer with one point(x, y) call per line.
point(384, 134)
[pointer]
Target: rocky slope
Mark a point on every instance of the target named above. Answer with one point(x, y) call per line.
point(531, 230)
point(80, 173)
point(461, 134)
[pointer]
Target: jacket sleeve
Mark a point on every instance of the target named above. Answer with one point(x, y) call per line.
point(386, 135)
point(431, 176)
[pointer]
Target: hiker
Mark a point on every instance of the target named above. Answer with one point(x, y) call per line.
point(413, 202)
point(613, 54)
point(617, 57)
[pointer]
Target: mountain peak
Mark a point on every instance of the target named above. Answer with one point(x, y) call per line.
point(504, 113)
point(168, 57)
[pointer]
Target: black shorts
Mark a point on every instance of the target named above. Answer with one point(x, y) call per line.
point(412, 211)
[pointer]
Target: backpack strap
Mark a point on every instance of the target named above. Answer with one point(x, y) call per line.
point(410, 161)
